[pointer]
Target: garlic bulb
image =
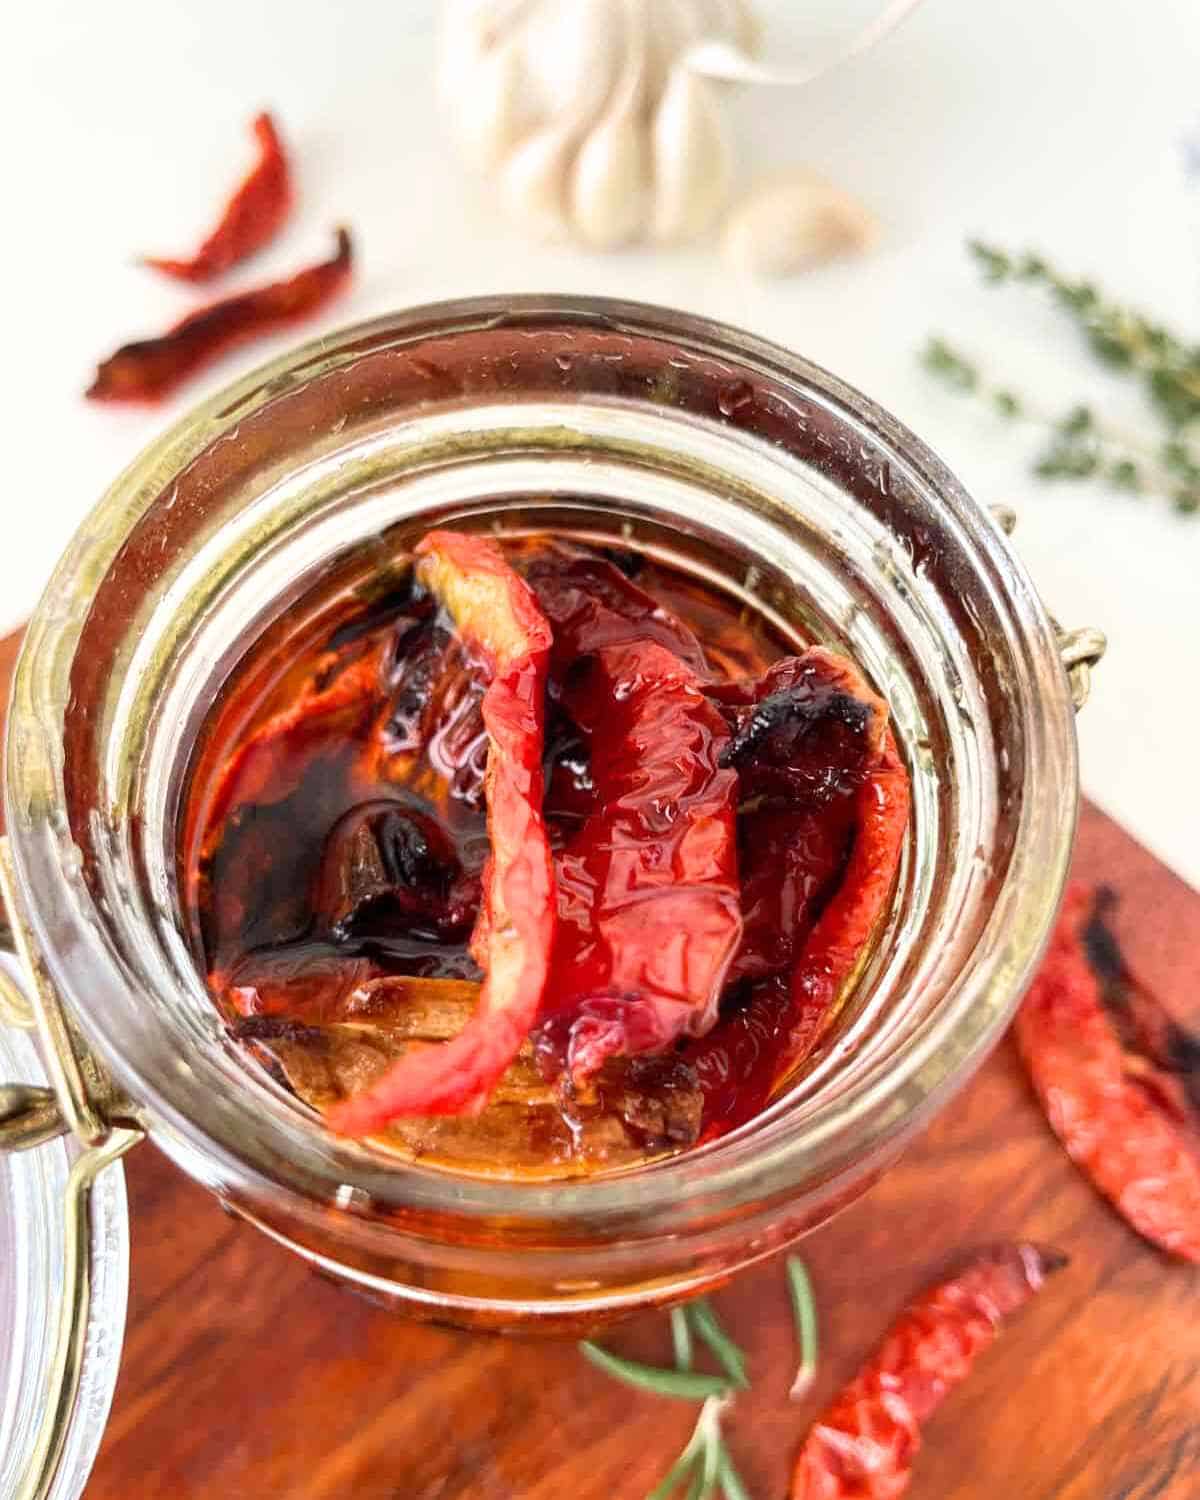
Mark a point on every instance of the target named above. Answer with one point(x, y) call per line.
point(585, 114)
point(795, 220)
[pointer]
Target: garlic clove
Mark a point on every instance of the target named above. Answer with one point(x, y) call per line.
point(533, 183)
point(490, 115)
point(610, 183)
point(611, 173)
point(572, 51)
point(692, 158)
point(795, 220)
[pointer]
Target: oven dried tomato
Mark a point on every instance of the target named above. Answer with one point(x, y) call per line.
point(149, 369)
point(497, 617)
point(1118, 1078)
point(253, 216)
point(864, 1444)
point(591, 603)
point(649, 913)
point(825, 801)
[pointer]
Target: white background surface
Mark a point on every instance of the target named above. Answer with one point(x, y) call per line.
point(1059, 124)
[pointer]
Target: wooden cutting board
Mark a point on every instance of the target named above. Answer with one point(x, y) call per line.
point(245, 1377)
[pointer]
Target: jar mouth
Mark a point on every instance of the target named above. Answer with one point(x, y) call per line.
point(603, 416)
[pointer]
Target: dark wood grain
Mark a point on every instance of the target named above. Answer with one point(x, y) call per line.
point(247, 1378)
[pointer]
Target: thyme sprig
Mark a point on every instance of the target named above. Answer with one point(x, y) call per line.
point(1079, 445)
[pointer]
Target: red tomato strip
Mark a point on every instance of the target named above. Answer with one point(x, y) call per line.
point(821, 840)
point(649, 910)
point(833, 949)
point(151, 368)
point(497, 616)
point(863, 1446)
point(253, 216)
point(590, 603)
point(1117, 1079)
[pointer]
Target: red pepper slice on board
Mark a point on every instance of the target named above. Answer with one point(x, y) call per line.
point(151, 368)
point(497, 616)
point(253, 216)
point(864, 1444)
point(1118, 1079)
point(649, 906)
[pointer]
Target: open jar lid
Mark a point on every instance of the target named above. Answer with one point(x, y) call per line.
point(49, 1438)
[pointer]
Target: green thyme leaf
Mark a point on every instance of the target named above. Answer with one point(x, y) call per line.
point(804, 1315)
point(1124, 474)
point(1077, 421)
point(1006, 403)
point(686, 1385)
point(941, 360)
point(995, 264)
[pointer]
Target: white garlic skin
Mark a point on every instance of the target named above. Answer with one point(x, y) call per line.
point(793, 221)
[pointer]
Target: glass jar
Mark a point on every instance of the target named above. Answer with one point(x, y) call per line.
point(720, 451)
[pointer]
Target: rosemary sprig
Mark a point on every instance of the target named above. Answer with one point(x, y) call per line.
point(705, 1463)
point(1078, 445)
point(727, 1354)
point(685, 1385)
point(804, 1314)
point(706, 1431)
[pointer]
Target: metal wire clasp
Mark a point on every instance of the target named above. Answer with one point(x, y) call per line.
point(84, 1102)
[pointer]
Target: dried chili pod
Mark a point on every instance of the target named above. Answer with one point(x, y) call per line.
point(864, 1444)
point(151, 368)
point(253, 216)
point(649, 908)
point(497, 617)
point(1118, 1078)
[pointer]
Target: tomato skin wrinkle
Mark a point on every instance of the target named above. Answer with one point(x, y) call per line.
point(649, 901)
point(863, 1445)
point(1117, 1107)
point(149, 369)
point(495, 612)
point(253, 216)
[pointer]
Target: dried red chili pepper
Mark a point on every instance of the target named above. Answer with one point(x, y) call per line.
point(151, 368)
point(864, 1444)
point(649, 911)
point(1118, 1079)
point(252, 218)
point(497, 617)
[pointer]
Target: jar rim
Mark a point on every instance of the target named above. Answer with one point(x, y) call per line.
point(868, 1116)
